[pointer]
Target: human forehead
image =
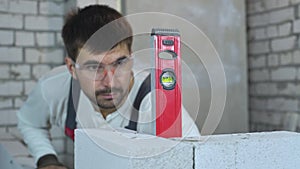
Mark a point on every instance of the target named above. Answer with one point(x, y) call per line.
point(104, 57)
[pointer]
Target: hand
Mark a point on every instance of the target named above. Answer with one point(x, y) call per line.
point(53, 167)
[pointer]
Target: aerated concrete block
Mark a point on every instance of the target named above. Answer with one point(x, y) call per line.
point(99, 148)
point(274, 150)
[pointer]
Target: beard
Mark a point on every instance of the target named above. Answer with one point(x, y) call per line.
point(110, 98)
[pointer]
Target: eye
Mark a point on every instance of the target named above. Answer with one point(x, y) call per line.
point(121, 61)
point(92, 67)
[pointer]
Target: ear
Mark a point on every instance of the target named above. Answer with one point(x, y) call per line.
point(70, 66)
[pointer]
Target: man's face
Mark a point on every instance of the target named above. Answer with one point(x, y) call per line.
point(105, 78)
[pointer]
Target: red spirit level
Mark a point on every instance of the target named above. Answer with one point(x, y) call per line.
point(167, 82)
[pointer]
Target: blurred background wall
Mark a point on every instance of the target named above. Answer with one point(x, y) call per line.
point(257, 41)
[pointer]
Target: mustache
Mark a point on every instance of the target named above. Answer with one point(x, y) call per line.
point(108, 90)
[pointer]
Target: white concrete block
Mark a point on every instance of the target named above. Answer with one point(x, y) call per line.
point(283, 44)
point(259, 47)
point(296, 56)
point(273, 4)
point(272, 31)
point(23, 7)
point(43, 23)
point(258, 20)
point(6, 103)
point(282, 104)
point(258, 103)
point(15, 148)
point(11, 21)
point(25, 162)
point(265, 89)
point(39, 70)
point(282, 15)
point(294, 1)
point(285, 73)
point(6, 37)
point(288, 89)
point(257, 75)
point(18, 102)
point(59, 40)
point(116, 150)
point(296, 26)
point(20, 71)
point(11, 88)
point(264, 117)
point(274, 150)
point(258, 62)
point(5, 71)
point(273, 60)
point(11, 55)
point(44, 56)
point(286, 58)
point(255, 7)
point(29, 86)
point(8, 117)
point(285, 29)
point(45, 39)
point(51, 8)
point(24, 39)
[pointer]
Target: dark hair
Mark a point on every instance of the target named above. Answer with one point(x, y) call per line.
point(80, 30)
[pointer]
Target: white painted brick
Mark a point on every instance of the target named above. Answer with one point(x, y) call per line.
point(259, 47)
point(289, 89)
point(260, 33)
point(157, 152)
point(258, 20)
point(59, 145)
point(43, 23)
point(281, 74)
point(29, 85)
point(11, 88)
point(6, 37)
point(258, 104)
point(14, 131)
point(283, 43)
point(286, 58)
point(282, 104)
point(44, 56)
point(272, 31)
point(259, 75)
point(39, 70)
point(273, 60)
point(296, 26)
point(272, 4)
point(59, 40)
point(257, 62)
point(274, 150)
point(24, 39)
point(296, 57)
point(285, 29)
point(266, 117)
point(6, 103)
point(4, 5)
point(11, 55)
point(255, 7)
point(18, 102)
point(15, 148)
point(51, 8)
point(11, 21)
point(4, 69)
point(278, 16)
point(8, 117)
point(45, 39)
point(20, 71)
point(268, 89)
point(23, 7)
point(26, 162)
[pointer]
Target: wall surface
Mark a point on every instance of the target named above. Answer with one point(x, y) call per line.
point(274, 59)
point(224, 24)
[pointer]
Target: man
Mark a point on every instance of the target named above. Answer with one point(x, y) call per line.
point(98, 43)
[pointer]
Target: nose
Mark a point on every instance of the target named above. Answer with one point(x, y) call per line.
point(108, 75)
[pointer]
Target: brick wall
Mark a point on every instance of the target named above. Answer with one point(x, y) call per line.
point(30, 45)
point(274, 62)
